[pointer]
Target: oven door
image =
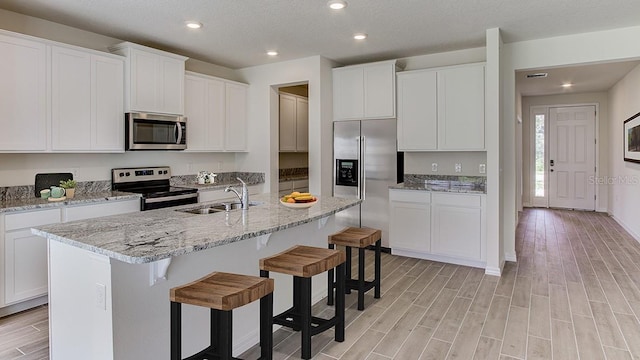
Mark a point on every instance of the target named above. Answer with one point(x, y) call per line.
point(155, 132)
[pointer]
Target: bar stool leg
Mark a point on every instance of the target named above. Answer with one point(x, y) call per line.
point(215, 325)
point(176, 331)
point(348, 269)
point(225, 330)
point(361, 275)
point(330, 282)
point(340, 303)
point(305, 314)
point(266, 327)
point(377, 270)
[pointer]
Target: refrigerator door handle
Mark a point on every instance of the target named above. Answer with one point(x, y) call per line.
point(359, 158)
point(363, 164)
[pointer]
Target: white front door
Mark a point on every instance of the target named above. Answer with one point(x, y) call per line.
point(572, 157)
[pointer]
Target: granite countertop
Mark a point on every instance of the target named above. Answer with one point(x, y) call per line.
point(31, 203)
point(153, 235)
point(443, 186)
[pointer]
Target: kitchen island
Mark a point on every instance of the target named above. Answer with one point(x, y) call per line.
point(109, 278)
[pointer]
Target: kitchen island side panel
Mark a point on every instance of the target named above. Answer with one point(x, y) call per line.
point(139, 314)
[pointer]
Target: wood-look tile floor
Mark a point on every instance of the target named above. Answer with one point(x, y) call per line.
point(574, 294)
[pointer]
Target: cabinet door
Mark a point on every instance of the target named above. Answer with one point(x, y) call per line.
point(171, 92)
point(204, 108)
point(23, 95)
point(288, 121)
point(302, 124)
point(145, 84)
point(348, 93)
point(379, 91)
point(236, 117)
point(461, 108)
point(107, 104)
point(409, 226)
point(70, 99)
point(457, 231)
point(25, 265)
point(417, 111)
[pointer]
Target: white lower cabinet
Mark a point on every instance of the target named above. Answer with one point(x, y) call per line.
point(410, 225)
point(25, 255)
point(289, 186)
point(25, 269)
point(447, 227)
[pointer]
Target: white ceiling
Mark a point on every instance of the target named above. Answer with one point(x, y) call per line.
point(584, 78)
point(237, 33)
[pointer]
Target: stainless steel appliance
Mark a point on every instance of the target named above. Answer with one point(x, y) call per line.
point(146, 131)
point(153, 184)
point(366, 162)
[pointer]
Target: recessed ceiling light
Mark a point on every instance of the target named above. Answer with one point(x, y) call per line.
point(272, 53)
point(360, 36)
point(567, 85)
point(194, 25)
point(337, 4)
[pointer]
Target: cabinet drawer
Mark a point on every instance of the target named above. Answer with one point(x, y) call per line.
point(457, 200)
point(416, 196)
point(82, 212)
point(31, 219)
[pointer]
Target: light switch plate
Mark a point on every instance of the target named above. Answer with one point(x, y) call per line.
point(434, 167)
point(482, 168)
point(458, 167)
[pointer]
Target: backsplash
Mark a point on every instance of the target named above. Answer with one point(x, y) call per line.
point(480, 181)
point(83, 187)
point(284, 173)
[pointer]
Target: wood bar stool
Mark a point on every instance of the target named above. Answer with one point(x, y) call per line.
point(303, 262)
point(360, 238)
point(223, 292)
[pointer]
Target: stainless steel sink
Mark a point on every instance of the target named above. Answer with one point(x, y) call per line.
point(216, 208)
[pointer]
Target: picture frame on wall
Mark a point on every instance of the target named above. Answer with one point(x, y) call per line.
point(632, 139)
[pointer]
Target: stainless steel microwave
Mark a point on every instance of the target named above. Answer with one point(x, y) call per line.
point(146, 131)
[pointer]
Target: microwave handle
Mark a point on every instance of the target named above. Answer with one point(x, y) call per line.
point(179, 131)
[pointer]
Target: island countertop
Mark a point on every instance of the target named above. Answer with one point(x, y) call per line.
point(149, 236)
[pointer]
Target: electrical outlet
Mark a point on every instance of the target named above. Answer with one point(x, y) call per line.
point(482, 168)
point(458, 167)
point(101, 296)
point(434, 167)
point(190, 167)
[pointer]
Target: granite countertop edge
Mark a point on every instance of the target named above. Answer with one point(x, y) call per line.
point(15, 205)
point(436, 188)
point(289, 216)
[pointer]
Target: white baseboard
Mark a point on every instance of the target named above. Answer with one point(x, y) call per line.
point(511, 257)
point(627, 228)
point(439, 258)
point(602, 210)
point(22, 306)
point(494, 271)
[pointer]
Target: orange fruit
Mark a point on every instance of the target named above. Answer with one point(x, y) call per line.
point(291, 200)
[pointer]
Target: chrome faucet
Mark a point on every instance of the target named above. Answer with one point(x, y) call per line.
point(244, 198)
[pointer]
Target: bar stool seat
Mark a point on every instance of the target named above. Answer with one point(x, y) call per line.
point(303, 262)
point(223, 292)
point(359, 238)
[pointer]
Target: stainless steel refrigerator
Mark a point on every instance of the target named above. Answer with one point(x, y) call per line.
point(366, 162)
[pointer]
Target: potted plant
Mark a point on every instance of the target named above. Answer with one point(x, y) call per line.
point(69, 187)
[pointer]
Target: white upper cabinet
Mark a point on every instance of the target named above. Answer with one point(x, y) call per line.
point(23, 94)
point(365, 91)
point(294, 123)
point(236, 117)
point(417, 111)
point(86, 101)
point(461, 108)
point(154, 80)
point(441, 109)
point(216, 114)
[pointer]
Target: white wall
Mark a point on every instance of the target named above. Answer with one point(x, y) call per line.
point(599, 98)
point(264, 118)
point(593, 47)
point(624, 191)
point(420, 162)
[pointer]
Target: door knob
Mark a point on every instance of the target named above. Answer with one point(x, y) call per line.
point(551, 162)
point(551, 170)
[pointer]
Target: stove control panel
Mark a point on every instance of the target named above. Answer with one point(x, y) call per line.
point(140, 174)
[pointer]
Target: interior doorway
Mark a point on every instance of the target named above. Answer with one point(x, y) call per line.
point(293, 139)
point(563, 142)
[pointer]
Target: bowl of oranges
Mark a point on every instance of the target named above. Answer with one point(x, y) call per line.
point(298, 200)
